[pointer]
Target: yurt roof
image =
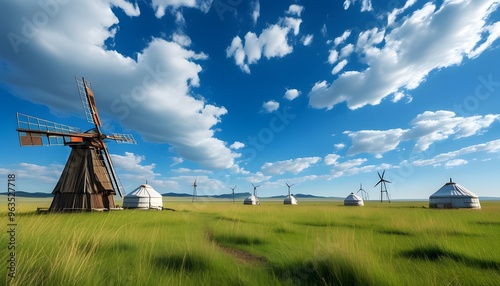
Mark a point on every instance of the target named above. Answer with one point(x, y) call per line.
point(144, 190)
point(452, 189)
point(353, 197)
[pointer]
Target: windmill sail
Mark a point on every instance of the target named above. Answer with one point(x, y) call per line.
point(34, 131)
point(88, 100)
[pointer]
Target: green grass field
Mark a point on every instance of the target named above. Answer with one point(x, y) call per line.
point(221, 243)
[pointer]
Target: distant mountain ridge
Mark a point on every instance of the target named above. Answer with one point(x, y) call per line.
point(226, 196)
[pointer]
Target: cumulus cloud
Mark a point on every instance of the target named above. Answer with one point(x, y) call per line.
point(237, 145)
point(426, 128)
point(272, 42)
point(293, 166)
point(161, 6)
point(176, 161)
point(399, 58)
point(331, 159)
point(131, 91)
point(270, 106)
point(307, 39)
point(291, 94)
point(181, 39)
point(341, 39)
point(295, 10)
point(255, 11)
point(491, 147)
point(131, 162)
point(454, 163)
point(366, 5)
point(339, 146)
point(339, 66)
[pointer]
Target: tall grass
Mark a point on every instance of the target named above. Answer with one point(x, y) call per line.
point(221, 243)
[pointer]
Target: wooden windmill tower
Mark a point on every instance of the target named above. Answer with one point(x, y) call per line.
point(88, 180)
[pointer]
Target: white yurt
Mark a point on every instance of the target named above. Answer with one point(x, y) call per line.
point(251, 200)
point(290, 200)
point(453, 195)
point(353, 200)
point(144, 197)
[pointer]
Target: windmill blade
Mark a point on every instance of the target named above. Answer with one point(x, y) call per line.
point(383, 173)
point(88, 101)
point(377, 183)
point(122, 138)
point(112, 173)
point(380, 177)
point(387, 181)
point(253, 185)
point(34, 131)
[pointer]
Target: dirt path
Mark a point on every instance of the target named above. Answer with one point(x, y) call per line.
point(240, 255)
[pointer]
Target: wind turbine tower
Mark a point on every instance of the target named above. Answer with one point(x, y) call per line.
point(383, 187)
point(290, 199)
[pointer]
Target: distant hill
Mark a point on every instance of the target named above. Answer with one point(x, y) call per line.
point(176, 195)
point(31, 195)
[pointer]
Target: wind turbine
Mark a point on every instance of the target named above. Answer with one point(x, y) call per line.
point(290, 199)
point(252, 199)
point(194, 191)
point(233, 191)
point(383, 187)
point(255, 189)
point(364, 194)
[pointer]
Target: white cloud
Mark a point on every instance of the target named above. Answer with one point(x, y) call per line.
point(291, 94)
point(374, 141)
point(294, 166)
point(331, 159)
point(270, 106)
point(339, 40)
point(346, 51)
point(307, 40)
point(430, 127)
point(339, 146)
point(44, 174)
point(295, 9)
point(176, 161)
point(427, 128)
point(237, 145)
point(333, 56)
point(255, 11)
point(133, 92)
point(488, 147)
point(366, 5)
point(391, 16)
point(272, 42)
point(429, 38)
point(454, 163)
point(338, 67)
point(181, 39)
point(160, 6)
point(132, 163)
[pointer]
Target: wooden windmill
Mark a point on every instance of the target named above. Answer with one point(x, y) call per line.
point(88, 180)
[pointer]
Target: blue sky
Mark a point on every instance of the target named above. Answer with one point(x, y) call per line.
point(320, 94)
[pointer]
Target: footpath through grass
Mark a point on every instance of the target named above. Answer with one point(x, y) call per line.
point(221, 243)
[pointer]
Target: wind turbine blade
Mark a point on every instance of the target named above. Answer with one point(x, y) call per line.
point(387, 181)
point(383, 174)
point(377, 184)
